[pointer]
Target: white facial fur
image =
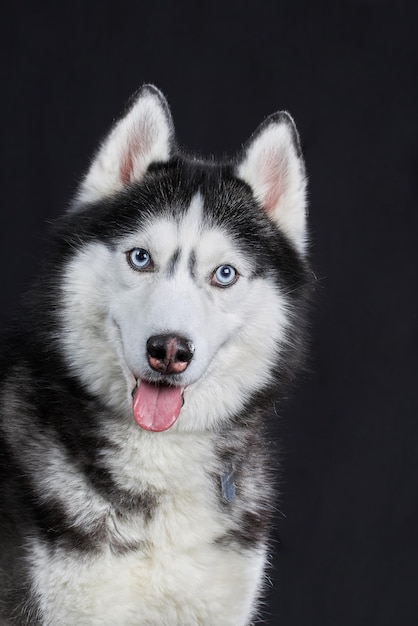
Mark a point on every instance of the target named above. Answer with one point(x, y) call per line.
point(111, 310)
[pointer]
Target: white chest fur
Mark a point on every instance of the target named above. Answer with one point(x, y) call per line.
point(177, 575)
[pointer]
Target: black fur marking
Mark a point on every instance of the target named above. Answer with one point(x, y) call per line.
point(17, 606)
point(172, 264)
point(192, 264)
point(124, 502)
point(56, 529)
point(243, 448)
point(250, 531)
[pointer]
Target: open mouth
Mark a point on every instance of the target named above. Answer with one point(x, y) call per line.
point(156, 406)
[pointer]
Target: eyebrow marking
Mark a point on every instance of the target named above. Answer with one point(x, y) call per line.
point(173, 262)
point(192, 264)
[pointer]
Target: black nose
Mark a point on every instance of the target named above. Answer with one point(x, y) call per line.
point(169, 354)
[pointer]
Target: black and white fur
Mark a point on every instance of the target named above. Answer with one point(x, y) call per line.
point(106, 523)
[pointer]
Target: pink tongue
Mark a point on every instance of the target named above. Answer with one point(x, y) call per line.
point(156, 407)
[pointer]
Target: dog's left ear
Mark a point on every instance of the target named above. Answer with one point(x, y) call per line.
point(272, 165)
point(144, 135)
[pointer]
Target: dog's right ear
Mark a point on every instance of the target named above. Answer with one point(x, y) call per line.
point(143, 136)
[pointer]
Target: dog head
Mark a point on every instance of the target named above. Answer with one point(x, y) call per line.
point(184, 280)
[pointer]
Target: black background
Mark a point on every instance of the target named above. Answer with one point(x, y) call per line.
point(346, 549)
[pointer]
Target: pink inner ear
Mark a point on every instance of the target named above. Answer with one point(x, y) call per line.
point(126, 167)
point(272, 173)
point(139, 142)
point(273, 194)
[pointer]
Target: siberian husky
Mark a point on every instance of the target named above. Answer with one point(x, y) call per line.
point(170, 314)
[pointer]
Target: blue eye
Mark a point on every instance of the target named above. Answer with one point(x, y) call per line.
point(224, 276)
point(140, 259)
